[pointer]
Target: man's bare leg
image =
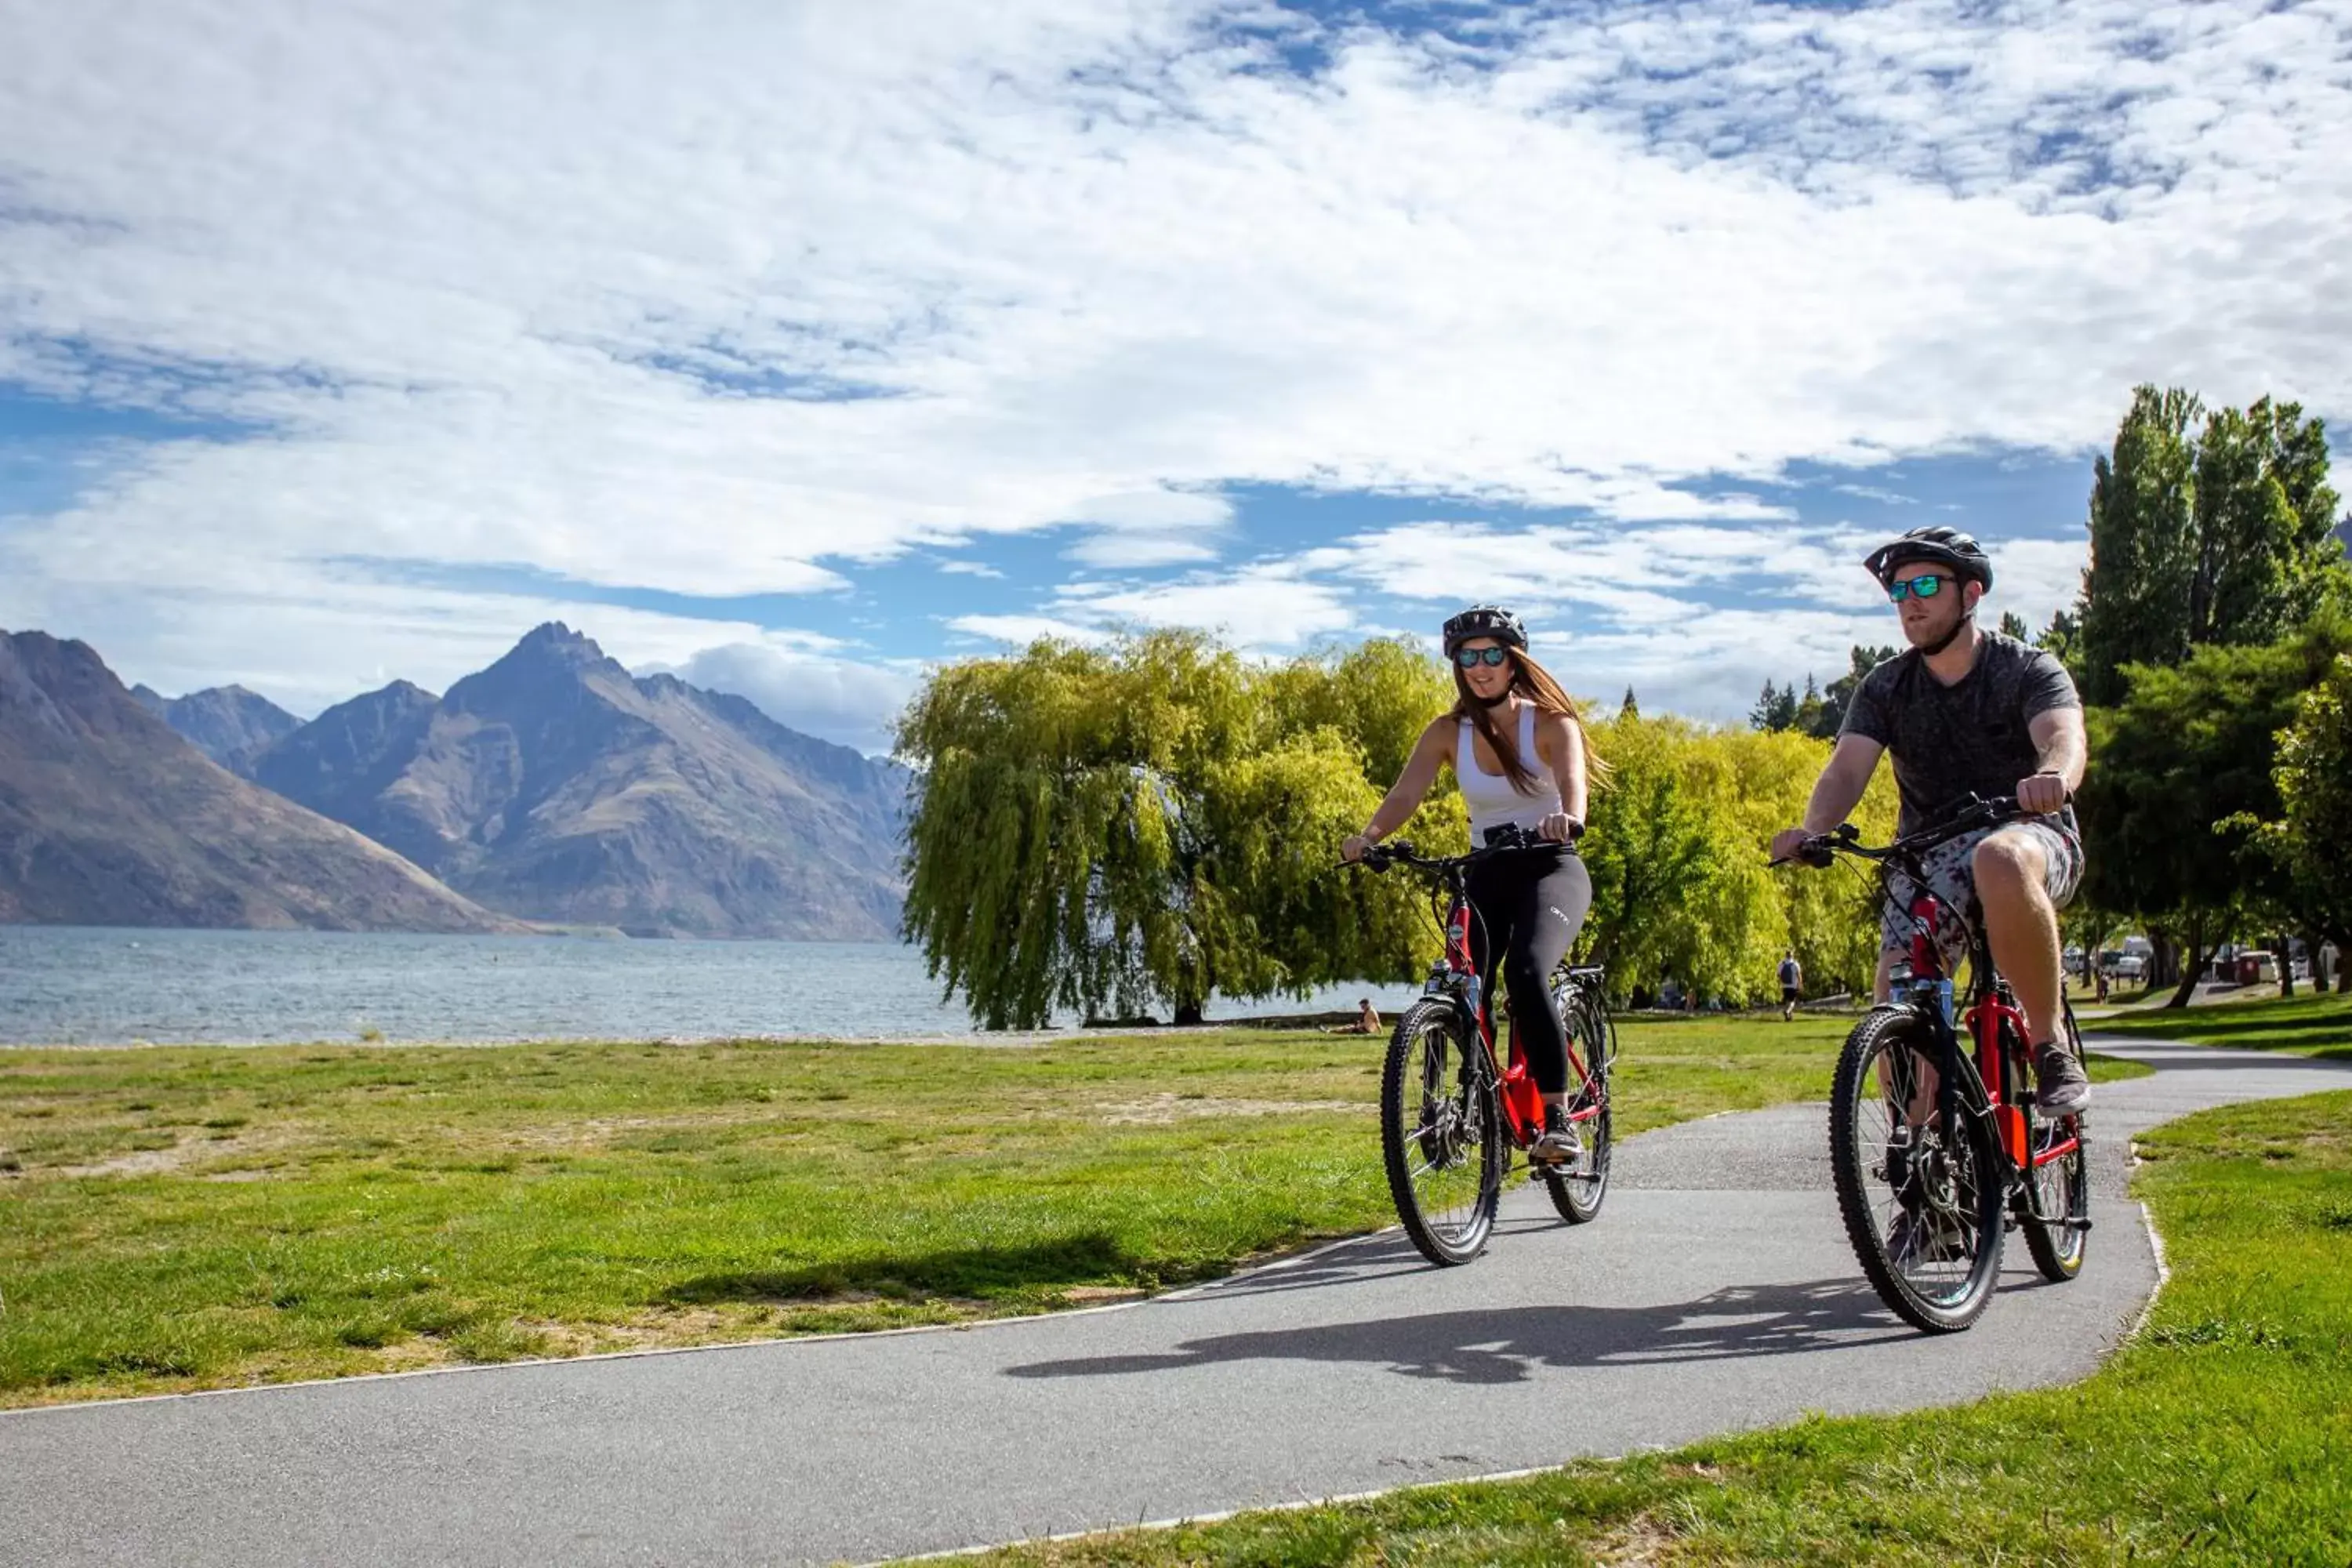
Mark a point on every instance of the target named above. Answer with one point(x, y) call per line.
point(2021, 925)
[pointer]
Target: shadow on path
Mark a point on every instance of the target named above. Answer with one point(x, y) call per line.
point(1511, 1344)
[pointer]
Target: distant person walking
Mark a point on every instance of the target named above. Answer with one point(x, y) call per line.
point(1792, 984)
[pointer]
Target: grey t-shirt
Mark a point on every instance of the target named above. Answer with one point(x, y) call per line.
point(1949, 741)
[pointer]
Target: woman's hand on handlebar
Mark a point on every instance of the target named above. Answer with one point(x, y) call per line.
point(1559, 828)
point(1788, 843)
point(1352, 847)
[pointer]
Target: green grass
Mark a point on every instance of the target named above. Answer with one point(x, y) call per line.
point(173, 1219)
point(183, 1218)
point(2307, 1025)
point(2221, 1434)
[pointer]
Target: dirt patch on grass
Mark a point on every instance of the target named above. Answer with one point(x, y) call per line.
point(1642, 1541)
point(138, 1162)
point(1162, 1108)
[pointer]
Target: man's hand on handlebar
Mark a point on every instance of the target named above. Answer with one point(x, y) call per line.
point(2042, 794)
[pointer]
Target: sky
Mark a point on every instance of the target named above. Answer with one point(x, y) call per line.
point(801, 347)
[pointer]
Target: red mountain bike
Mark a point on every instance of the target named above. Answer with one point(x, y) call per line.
point(1929, 1143)
point(1450, 1118)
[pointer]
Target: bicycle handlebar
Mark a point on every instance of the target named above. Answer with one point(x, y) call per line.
point(1846, 840)
point(1402, 852)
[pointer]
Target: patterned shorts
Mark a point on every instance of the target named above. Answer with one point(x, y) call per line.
point(1949, 877)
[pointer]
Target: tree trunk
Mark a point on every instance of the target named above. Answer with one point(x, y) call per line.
point(2311, 939)
point(1189, 1012)
point(2286, 966)
point(2194, 959)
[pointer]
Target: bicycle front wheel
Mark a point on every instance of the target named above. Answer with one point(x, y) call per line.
point(1578, 1187)
point(2061, 1188)
point(1440, 1133)
point(1920, 1191)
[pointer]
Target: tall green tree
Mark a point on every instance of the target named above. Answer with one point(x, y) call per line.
point(2305, 843)
point(1776, 709)
point(2210, 533)
point(1859, 661)
point(2182, 771)
point(2142, 542)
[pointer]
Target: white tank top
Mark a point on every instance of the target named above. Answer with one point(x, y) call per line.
point(1490, 797)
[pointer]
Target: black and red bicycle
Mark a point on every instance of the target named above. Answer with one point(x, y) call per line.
point(1451, 1120)
point(1936, 1146)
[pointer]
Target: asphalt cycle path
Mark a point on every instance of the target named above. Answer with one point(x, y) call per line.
point(1716, 1292)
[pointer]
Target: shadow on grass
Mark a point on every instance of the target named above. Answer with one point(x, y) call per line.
point(2203, 1023)
point(1091, 1258)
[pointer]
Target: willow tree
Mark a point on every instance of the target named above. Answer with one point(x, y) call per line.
point(1157, 820)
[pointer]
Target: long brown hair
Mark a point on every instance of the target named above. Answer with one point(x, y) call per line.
point(1534, 682)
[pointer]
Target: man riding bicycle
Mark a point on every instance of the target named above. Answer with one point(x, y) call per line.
point(1966, 712)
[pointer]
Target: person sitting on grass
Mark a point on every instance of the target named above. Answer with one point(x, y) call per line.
point(1368, 1020)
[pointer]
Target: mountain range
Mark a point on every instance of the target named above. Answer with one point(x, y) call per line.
point(228, 724)
point(109, 817)
point(554, 787)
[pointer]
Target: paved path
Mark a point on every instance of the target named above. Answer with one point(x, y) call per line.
point(1716, 1293)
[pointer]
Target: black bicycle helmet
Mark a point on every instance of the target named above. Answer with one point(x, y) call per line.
point(1945, 546)
point(1484, 621)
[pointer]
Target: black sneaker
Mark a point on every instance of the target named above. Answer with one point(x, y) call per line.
point(1559, 1144)
point(2063, 1088)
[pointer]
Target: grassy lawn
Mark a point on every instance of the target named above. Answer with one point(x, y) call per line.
point(2307, 1025)
point(2222, 1435)
point(175, 1219)
point(185, 1218)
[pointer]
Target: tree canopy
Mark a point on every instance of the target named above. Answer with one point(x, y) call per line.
point(1103, 829)
point(2216, 533)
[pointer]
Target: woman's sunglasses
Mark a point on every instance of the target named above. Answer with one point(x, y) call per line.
point(1926, 585)
point(1472, 657)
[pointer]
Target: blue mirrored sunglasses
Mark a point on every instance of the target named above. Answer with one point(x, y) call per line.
point(1472, 657)
point(1927, 585)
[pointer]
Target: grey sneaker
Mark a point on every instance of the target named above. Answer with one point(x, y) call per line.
point(1559, 1144)
point(2063, 1087)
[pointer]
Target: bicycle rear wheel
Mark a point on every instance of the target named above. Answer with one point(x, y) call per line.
point(2061, 1189)
point(1440, 1133)
point(1578, 1188)
point(1921, 1194)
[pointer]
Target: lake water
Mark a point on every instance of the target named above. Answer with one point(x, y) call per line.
point(79, 985)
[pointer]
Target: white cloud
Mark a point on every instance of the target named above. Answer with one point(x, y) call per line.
point(744, 299)
point(851, 703)
point(1021, 630)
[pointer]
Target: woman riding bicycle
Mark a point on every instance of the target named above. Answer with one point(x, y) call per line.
point(1523, 762)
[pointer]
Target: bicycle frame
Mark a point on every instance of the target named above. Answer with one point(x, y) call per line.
point(1990, 1084)
point(1523, 1109)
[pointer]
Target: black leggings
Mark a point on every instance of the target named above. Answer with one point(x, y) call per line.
point(1527, 909)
